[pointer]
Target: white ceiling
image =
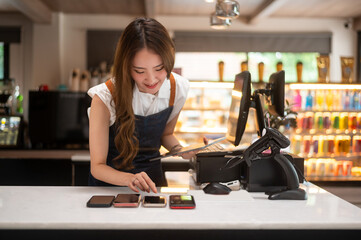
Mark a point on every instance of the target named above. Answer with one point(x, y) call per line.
point(250, 10)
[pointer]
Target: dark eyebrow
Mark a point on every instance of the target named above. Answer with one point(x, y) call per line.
point(144, 68)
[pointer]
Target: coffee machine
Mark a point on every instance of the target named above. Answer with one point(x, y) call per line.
point(7, 87)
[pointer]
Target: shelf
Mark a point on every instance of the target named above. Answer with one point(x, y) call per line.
point(204, 109)
point(324, 86)
point(202, 130)
point(327, 132)
point(333, 178)
point(326, 111)
point(348, 156)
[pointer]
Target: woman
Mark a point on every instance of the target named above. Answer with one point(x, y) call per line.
point(135, 112)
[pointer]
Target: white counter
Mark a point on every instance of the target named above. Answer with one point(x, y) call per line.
point(65, 208)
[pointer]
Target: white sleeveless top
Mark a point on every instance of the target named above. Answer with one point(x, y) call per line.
point(145, 104)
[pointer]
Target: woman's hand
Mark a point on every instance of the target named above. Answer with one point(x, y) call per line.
point(142, 181)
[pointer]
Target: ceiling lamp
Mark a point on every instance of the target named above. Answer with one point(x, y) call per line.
point(227, 9)
point(218, 23)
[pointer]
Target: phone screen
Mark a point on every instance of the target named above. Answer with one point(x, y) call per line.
point(127, 200)
point(100, 201)
point(181, 202)
point(154, 201)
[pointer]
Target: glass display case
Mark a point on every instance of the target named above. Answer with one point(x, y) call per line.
point(206, 111)
point(328, 133)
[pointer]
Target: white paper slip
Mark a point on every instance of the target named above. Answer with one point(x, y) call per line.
point(233, 196)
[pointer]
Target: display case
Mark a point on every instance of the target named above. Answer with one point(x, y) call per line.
point(328, 133)
point(206, 111)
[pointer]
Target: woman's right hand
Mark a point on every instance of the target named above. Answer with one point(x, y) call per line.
point(141, 181)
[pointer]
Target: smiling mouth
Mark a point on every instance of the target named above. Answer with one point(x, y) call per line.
point(151, 86)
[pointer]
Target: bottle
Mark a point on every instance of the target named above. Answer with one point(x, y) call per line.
point(94, 80)
point(260, 71)
point(279, 66)
point(297, 100)
point(84, 81)
point(75, 80)
point(19, 104)
point(299, 67)
point(309, 101)
point(329, 100)
point(220, 70)
point(346, 100)
point(337, 102)
point(355, 100)
point(244, 66)
point(320, 99)
point(12, 100)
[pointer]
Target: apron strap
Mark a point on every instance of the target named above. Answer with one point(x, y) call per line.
point(172, 90)
point(110, 87)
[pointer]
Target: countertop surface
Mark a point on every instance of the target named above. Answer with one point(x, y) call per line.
point(43, 154)
point(65, 208)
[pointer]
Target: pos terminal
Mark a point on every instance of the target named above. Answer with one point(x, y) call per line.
point(262, 166)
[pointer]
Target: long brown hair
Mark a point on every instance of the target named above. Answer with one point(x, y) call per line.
point(141, 33)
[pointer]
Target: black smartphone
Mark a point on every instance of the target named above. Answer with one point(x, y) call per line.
point(127, 200)
point(181, 202)
point(154, 201)
point(100, 201)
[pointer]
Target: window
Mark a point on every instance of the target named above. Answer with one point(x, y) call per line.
point(289, 61)
point(204, 65)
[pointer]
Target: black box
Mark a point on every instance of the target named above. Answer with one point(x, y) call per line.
point(263, 175)
point(208, 168)
point(267, 174)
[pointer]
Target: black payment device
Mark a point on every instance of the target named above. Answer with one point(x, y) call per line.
point(228, 166)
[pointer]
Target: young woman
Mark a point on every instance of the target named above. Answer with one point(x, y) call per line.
point(135, 111)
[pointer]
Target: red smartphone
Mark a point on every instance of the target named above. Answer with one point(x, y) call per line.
point(100, 201)
point(127, 200)
point(181, 202)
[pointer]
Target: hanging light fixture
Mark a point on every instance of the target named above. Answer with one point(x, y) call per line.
point(218, 23)
point(227, 9)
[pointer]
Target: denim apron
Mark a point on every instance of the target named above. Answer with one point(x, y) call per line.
point(148, 130)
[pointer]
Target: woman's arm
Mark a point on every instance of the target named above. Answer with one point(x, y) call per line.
point(170, 142)
point(98, 144)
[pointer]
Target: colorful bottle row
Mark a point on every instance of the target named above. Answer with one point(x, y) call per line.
point(327, 167)
point(325, 145)
point(327, 120)
point(325, 100)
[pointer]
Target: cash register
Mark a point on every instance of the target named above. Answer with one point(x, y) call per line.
point(263, 166)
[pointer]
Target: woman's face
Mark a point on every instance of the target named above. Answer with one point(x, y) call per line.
point(148, 71)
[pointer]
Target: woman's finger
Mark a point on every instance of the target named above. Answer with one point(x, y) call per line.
point(133, 186)
point(149, 182)
point(141, 183)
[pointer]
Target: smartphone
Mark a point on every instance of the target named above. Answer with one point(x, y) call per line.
point(127, 200)
point(154, 201)
point(181, 202)
point(100, 201)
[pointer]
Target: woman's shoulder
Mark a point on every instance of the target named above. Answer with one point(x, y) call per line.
point(102, 91)
point(181, 81)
